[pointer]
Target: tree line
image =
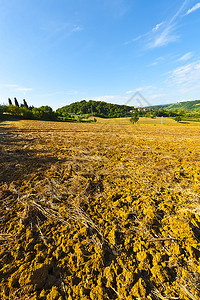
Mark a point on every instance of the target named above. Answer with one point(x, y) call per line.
point(23, 111)
point(81, 111)
point(14, 110)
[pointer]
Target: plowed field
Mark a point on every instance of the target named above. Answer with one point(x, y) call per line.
point(99, 211)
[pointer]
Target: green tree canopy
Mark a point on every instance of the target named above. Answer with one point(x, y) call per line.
point(98, 108)
point(178, 119)
point(134, 119)
point(44, 113)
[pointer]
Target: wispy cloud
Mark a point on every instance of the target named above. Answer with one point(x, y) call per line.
point(186, 76)
point(155, 96)
point(147, 34)
point(134, 91)
point(77, 28)
point(186, 56)
point(15, 88)
point(194, 8)
point(137, 38)
point(60, 29)
point(186, 80)
point(145, 88)
point(152, 94)
point(139, 96)
point(23, 89)
point(157, 61)
point(157, 27)
point(120, 99)
point(163, 38)
point(108, 98)
point(164, 32)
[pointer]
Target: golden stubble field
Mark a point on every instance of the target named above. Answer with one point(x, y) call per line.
point(99, 211)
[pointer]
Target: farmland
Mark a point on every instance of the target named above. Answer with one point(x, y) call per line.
point(104, 210)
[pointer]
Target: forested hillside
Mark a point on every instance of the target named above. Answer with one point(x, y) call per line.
point(187, 105)
point(97, 108)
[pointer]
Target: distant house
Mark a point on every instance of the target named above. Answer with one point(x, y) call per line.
point(142, 109)
point(139, 109)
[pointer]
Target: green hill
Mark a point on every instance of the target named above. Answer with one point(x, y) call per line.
point(187, 106)
point(97, 108)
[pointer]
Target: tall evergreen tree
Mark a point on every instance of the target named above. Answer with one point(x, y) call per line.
point(25, 103)
point(16, 102)
point(9, 101)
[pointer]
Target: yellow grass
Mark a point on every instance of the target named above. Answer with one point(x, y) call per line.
point(146, 121)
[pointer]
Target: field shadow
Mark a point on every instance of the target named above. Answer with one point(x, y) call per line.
point(182, 122)
point(19, 158)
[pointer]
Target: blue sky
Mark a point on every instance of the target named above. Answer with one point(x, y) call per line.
point(55, 52)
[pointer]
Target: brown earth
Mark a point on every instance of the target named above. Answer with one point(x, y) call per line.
point(99, 211)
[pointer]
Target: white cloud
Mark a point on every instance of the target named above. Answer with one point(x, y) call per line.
point(60, 29)
point(108, 98)
point(15, 88)
point(186, 76)
point(163, 38)
point(186, 56)
point(195, 7)
point(147, 34)
point(119, 99)
point(129, 92)
point(141, 96)
point(163, 33)
point(23, 89)
point(139, 37)
point(77, 28)
point(157, 61)
point(134, 91)
point(157, 26)
point(146, 88)
point(155, 96)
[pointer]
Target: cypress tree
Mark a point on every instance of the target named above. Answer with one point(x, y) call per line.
point(16, 102)
point(25, 103)
point(9, 101)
